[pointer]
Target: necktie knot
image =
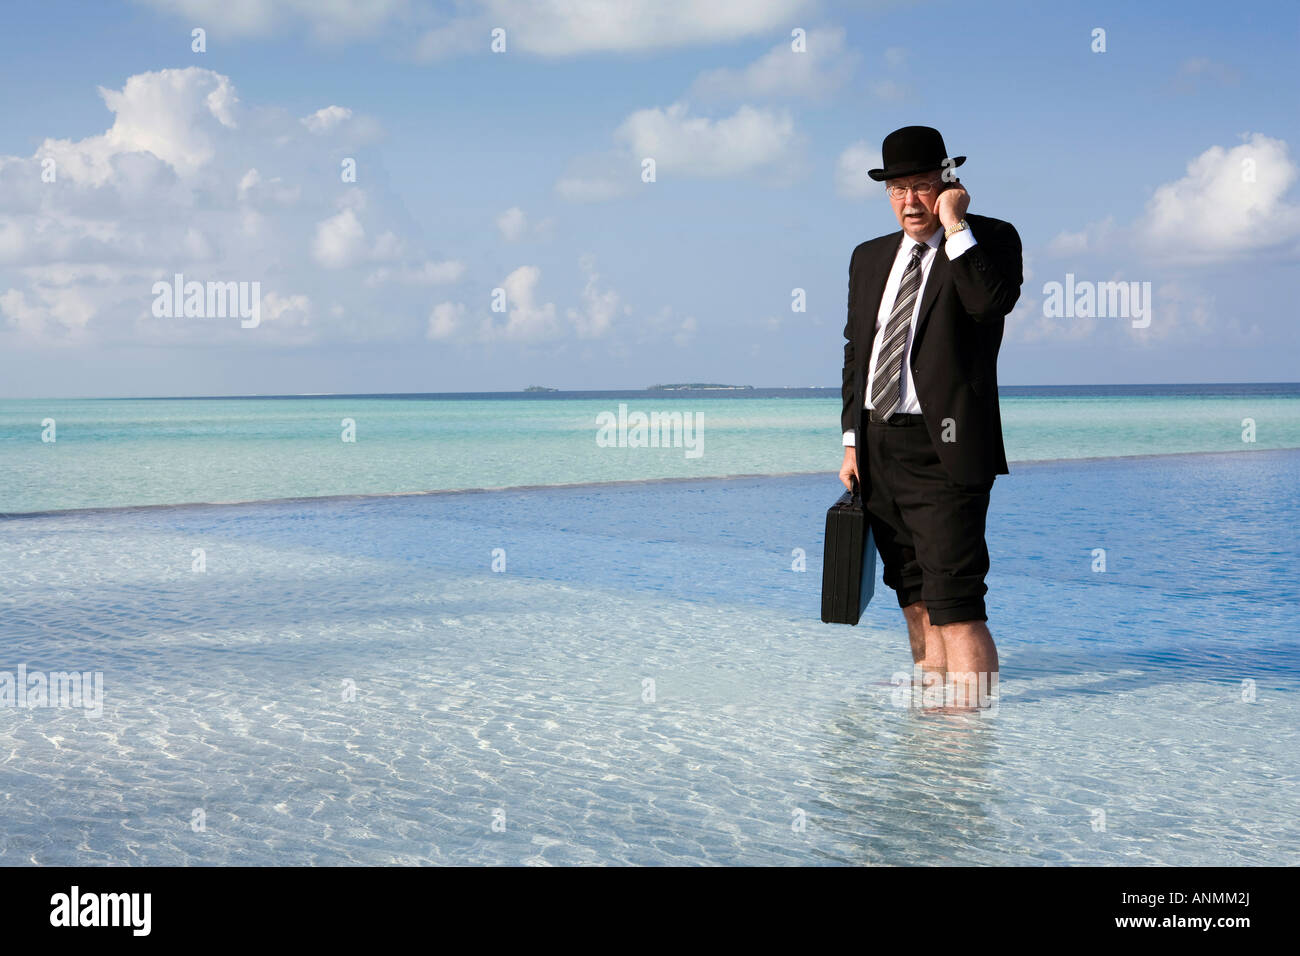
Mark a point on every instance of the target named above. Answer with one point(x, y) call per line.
point(918, 250)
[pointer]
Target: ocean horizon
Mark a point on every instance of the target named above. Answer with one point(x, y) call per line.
point(761, 391)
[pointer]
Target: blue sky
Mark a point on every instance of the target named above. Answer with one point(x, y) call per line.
point(521, 171)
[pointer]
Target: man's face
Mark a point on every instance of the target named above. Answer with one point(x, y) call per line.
point(916, 213)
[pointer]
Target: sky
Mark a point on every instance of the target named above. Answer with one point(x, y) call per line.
point(440, 197)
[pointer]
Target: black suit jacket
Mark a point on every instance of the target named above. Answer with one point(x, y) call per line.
point(954, 348)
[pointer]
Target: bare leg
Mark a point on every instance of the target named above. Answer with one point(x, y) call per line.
point(972, 660)
point(926, 638)
point(928, 654)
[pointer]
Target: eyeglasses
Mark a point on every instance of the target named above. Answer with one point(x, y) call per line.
point(921, 189)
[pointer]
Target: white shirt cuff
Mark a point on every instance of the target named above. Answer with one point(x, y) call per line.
point(849, 439)
point(959, 242)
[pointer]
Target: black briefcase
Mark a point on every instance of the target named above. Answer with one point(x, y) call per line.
point(849, 563)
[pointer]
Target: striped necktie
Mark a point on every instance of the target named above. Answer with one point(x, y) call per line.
point(887, 384)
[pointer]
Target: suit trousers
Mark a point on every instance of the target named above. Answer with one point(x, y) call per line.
point(929, 530)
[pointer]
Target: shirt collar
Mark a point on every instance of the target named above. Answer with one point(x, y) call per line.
point(933, 242)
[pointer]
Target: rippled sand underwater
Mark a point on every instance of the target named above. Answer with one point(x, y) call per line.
point(351, 682)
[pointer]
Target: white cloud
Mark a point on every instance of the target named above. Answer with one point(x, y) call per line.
point(526, 319)
point(597, 26)
point(186, 179)
point(53, 313)
point(253, 189)
point(388, 246)
point(445, 320)
point(824, 66)
point(1231, 202)
point(513, 224)
point(334, 20)
point(177, 116)
point(438, 272)
point(326, 119)
point(599, 306)
point(339, 240)
point(750, 139)
point(851, 179)
point(294, 309)
point(553, 28)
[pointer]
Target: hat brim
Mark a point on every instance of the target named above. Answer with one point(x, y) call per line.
point(896, 172)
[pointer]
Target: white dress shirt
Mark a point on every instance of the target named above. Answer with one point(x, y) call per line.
point(959, 243)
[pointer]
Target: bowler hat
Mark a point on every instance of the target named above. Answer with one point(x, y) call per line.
point(912, 150)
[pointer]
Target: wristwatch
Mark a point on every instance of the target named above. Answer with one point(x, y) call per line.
point(947, 233)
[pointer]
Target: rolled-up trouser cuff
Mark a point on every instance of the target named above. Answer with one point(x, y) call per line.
point(907, 594)
point(950, 612)
point(944, 612)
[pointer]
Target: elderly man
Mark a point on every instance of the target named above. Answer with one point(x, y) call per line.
point(922, 430)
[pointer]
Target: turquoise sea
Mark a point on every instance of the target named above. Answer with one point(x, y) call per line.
point(609, 669)
point(109, 453)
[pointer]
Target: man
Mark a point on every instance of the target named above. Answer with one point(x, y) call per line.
point(922, 429)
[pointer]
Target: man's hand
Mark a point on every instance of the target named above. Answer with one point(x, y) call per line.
point(953, 203)
point(850, 467)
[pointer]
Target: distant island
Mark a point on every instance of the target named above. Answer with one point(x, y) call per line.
point(540, 388)
point(697, 386)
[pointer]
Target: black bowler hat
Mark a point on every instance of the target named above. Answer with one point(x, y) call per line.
point(912, 150)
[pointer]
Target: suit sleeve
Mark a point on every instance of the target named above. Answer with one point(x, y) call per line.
point(989, 274)
point(848, 413)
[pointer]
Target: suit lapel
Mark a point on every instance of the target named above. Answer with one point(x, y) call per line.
point(876, 277)
point(933, 282)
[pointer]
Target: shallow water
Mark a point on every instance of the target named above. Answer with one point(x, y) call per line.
point(523, 691)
